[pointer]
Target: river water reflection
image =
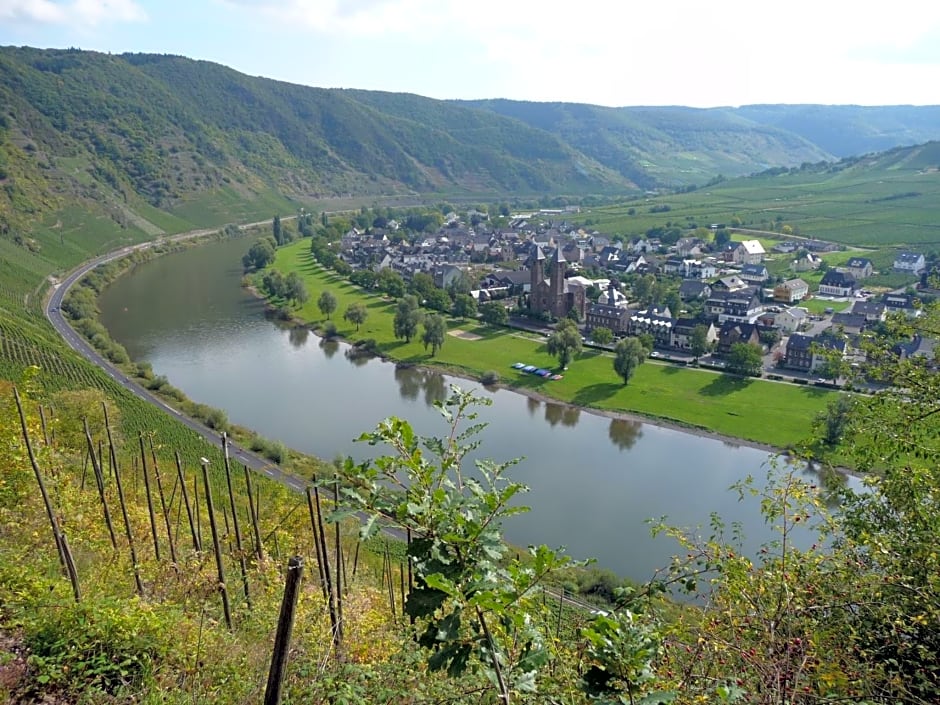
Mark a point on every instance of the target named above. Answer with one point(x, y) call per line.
point(594, 480)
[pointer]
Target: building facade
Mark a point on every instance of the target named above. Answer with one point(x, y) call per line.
point(552, 296)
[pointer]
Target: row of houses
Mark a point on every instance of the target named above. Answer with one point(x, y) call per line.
point(808, 353)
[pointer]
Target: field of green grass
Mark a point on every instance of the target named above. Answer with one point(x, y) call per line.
point(766, 412)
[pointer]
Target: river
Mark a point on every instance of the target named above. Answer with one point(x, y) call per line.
point(594, 480)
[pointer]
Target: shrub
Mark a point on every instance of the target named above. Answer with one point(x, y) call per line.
point(329, 330)
point(101, 646)
point(117, 354)
point(490, 378)
point(367, 345)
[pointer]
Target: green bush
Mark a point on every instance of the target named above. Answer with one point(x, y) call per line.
point(490, 378)
point(367, 345)
point(96, 646)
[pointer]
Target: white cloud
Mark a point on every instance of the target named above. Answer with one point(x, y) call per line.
point(349, 18)
point(689, 52)
point(82, 13)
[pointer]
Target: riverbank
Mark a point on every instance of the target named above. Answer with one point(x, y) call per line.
point(540, 396)
point(739, 410)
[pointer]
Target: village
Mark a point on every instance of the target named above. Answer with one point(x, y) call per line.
point(543, 269)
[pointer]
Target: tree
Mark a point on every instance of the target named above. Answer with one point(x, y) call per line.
point(494, 313)
point(745, 359)
point(422, 284)
point(259, 255)
point(474, 607)
point(834, 365)
point(435, 330)
point(465, 306)
point(356, 313)
point(670, 299)
point(390, 282)
point(698, 341)
point(407, 318)
point(643, 287)
point(835, 419)
point(438, 300)
point(463, 284)
point(629, 354)
point(327, 303)
point(295, 290)
point(770, 337)
point(602, 335)
point(274, 283)
point(276, 229)
point(857, 616)
point(891, 529)
point(565, 342)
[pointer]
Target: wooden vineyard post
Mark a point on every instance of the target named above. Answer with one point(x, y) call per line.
point(153, 518)
point(61, 545)
point(331, 592)
point(259, 548)
point(220, 567)
point(285, 625)
point(163, 507)
point(238, 534)
point(340, 572)
point(189, 510)
point(120, 488)
point(42, 419)
point(316, 543)
point(99, 481)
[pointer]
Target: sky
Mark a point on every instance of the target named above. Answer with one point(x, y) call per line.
point(696, 53)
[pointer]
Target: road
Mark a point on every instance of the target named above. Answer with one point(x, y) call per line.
point(256, 463)
point(53, 311)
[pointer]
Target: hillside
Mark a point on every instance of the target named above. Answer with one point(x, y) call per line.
point(886, 199)
point(848, 130)
point(672, 146)
point(162, 132)
point(159, 143)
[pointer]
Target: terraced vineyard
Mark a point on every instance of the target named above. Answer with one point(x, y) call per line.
point(888, 199)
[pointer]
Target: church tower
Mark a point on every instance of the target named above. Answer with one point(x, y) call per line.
point(536, 262)
point(559, 267)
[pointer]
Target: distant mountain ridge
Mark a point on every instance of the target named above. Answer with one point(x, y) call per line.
point(679, 146)
point(157, 131)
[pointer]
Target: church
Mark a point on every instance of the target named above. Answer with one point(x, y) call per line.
point(553, 296)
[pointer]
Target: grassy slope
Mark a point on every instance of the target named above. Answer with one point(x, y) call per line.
point(728, 405)
point(868, 202)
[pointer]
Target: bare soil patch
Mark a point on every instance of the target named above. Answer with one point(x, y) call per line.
point(464, 335)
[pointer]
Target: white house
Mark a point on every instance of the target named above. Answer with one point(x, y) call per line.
point(749, 252)
point(791, 290)
point(792, 319)
point(910, 263)
point(836, 283)
point(859, 267)
point(806, 263)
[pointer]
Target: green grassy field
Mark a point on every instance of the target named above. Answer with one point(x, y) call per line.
point(765, 412)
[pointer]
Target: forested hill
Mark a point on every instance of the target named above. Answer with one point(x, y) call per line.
point(163, 129)
point(670, 146)
point(679, 146)
point(851, 130)
point(157, 141)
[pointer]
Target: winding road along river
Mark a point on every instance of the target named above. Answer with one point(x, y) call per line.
point(594, 480)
